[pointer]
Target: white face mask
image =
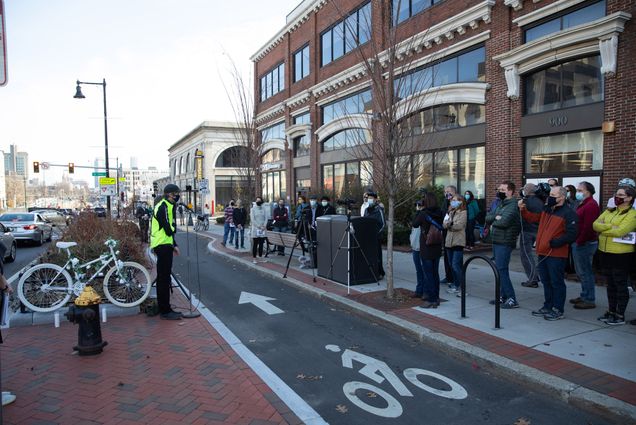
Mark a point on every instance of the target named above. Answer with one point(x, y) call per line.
point(312, 202)
point(324, 203)
point(371, 201)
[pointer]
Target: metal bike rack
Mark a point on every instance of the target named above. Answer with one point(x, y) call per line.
point(497, 287)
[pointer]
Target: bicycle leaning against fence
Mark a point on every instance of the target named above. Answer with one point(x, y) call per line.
point(47, 287)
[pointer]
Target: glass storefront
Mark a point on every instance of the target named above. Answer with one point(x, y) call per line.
point(228, 187)
point(345, 179)
point(565, 153)
point(274, 185)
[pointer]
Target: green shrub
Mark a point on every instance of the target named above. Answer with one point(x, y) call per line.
point(220, 220)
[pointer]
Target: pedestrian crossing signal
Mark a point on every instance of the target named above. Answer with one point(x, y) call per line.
point(36, 166)
point(71, 168)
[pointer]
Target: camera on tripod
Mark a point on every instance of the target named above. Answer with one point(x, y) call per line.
point(347, 201)
point(541, 191)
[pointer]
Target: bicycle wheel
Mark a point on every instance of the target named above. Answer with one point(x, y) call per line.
point(197, 226)
point(129, 286)
point(206, 225)
point(45, 288)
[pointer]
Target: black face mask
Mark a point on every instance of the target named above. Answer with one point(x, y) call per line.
point(552, 201)
point(176, 198)
point(259, 203)
point(501, 195)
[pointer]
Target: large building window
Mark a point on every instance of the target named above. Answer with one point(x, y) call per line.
point(469, 66)
point(276, 131)
point(302, 118)
point(566, 19)
point(274, 185)
point(443, 117)
point(344, 139)
point(301, 63)
point(273, 82)
point(273, 155)
point(355, 104)
point(228, 187)
point(302, 146)
point(346, 178)
point(565, 153)
point(404, 9)
point(567, 84)
point(234, 157)
point(346, 35)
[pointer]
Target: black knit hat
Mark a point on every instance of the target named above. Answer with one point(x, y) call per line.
point(171, 188)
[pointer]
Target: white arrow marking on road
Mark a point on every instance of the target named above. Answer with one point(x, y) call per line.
point(261, 302)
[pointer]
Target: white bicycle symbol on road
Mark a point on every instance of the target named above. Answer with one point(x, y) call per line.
point(378, 371)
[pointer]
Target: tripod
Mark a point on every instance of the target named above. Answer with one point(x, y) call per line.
point(349, 233)
point(307, 233)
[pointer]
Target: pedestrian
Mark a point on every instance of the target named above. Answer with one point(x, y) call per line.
point(281, 222)
point(571, 198)
point(585, 246)
point(181, 215)
point(505, 226)
point(472, 208)
point(228, 223)
point(616, 245)
point(528, 234)
point(239, 217)
point(553, 182)
point(455, 226)
point(5, 292)
point(325, 207)
point(164, 245)
point(417, 259)
point(558, 226)
point(258, 222)
point(429, 220)
point(376, 212)
point(449, 193)
point(365, 203)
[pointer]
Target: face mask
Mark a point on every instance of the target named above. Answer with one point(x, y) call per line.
point(371, 202)
point(313, 203)
point(467, 197)
point(259, 203)
point(618, 201)
point(231, 204)
point(455, 204)
point(176, 198)
point(324, 203)
point(579, 196)
point(449, 195)
point(501, 195)
point(552, 201)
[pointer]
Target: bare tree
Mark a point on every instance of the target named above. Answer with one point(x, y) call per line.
point(397, 127)
point(246, 155)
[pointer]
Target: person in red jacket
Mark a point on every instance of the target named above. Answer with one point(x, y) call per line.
point(586, 244)
point(558, 226)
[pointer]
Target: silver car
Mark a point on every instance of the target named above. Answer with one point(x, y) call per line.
point(7, 239)
point(28, 227)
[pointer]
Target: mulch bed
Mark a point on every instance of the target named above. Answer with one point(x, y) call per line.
point(378, 300)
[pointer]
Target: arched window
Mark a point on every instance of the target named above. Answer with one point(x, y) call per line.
point(273, 155)
point(345, 139)
point(234, 157)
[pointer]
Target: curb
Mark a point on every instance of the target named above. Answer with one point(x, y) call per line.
point(567, 391)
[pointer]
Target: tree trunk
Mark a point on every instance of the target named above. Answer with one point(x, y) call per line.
point(390, 293)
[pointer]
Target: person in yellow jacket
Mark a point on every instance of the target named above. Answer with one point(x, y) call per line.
point(616, 257)
point(162, 242)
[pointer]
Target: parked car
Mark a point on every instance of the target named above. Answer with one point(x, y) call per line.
point(7, 239)
point(100, 211)
point(28, 227)
point(54, 216)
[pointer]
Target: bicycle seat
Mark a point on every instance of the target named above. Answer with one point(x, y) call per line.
point(65, 245)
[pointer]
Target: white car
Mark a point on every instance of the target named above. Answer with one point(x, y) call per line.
point(7, 239)
point(28, 226)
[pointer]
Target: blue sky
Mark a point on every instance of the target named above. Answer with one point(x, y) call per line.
point(162, 60)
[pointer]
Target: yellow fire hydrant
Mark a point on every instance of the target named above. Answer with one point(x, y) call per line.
point(85, 313)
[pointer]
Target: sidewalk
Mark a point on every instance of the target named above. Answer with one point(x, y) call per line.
point(152, 371)
point(579, 358)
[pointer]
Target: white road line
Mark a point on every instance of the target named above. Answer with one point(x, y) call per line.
point(296, 404)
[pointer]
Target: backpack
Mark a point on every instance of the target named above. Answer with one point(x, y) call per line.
point(434, 235)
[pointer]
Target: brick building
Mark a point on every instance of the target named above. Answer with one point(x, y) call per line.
point(523, 90)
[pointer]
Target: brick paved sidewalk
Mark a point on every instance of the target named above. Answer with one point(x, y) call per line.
point(152, 371)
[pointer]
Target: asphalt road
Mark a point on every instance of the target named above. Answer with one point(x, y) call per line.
point(324, 353)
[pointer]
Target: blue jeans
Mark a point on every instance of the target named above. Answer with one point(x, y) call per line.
point(240, 232)
point(227, 230)
point(502, 261)
point(552, 273)
point(419, 272)
point(582, 256)
point(456, 260)
point(431, 279)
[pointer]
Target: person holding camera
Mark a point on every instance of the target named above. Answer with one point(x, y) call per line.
point(505, 227)
point(258, 222)
point(558, 226)
point(376, 212)
point(455, 226)
point(427, 219)
point(281, 221)
point(529, 235)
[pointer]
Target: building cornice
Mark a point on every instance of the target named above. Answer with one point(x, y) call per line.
point(202, 128)
point(298, 99)
point(299, 19)
point(600, 35)
point(545, 11)
point(270, 113)
point(450, 93)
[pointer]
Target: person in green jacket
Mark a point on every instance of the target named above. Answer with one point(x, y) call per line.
point(505, 225)
point(613, 225)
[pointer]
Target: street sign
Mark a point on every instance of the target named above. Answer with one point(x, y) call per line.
point(44, 165)
point(203, 184)
point(98, 173)
point(3, 47)
point(107, 181)
point(122, 179)
point(107, 186)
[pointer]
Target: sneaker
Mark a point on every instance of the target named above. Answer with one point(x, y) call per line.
point(584, 305)
point(541, 312)
point(173, 315)
point(616, 320)
point(7, 398)
point(254, 261)
point(459, 294)
point(554, 315)
point(605, 317)
point(576, 300)
point(429, 304)
point(501, 301)
point(223, 243)
point(510, 304)
point(530, 284)
point(453, 290)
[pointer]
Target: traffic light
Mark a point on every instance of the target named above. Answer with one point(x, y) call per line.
point(155, 187)
point(36, 166)
point(71, 168)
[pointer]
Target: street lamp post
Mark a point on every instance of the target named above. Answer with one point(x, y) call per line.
point(79, 95)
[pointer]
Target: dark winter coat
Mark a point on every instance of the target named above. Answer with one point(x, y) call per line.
point(428, 252)
point(505, 231)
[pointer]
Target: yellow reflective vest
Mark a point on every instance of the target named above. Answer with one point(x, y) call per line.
point(158, 235)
